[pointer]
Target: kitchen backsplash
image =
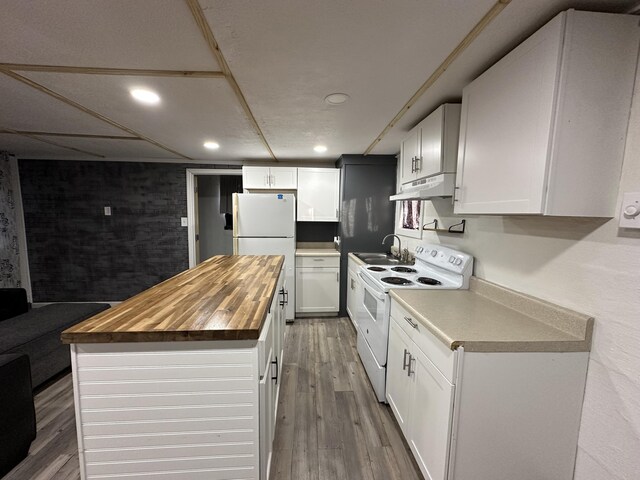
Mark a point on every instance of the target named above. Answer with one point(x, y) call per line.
point(316, 231)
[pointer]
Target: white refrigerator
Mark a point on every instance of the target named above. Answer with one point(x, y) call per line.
point(265, 224)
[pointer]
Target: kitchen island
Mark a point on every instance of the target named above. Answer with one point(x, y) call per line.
point(181, 380)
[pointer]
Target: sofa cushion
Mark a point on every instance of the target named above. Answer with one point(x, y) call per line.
point(19, 331)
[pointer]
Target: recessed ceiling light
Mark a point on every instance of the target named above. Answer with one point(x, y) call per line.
point(145, 96)
point(211, 145)
point(336, 98)
point(320, 148)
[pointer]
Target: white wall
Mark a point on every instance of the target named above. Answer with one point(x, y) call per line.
point(590, 266)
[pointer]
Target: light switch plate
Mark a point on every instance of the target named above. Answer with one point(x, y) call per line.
point(630, 210)
point(107, 211)
point(184, 222)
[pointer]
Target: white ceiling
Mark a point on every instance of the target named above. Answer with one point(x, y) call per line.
point(286, 56)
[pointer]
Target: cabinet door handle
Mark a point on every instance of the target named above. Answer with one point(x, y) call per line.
point(418, 164)
point(266, 180)
point(337, 276)
point(405, 364)
point(275, 362)
point(282, 302)
point(353, 284)
point(286, 293)
point(413, 164)
point(411, 359)
point(411, 322)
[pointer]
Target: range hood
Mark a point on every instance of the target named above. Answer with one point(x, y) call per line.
point(441, 185)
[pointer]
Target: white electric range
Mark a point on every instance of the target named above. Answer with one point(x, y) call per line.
point(436, 267)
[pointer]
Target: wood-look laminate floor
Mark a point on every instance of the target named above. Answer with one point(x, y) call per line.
point(330, 425)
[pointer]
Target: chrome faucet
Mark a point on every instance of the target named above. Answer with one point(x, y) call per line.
point(399, 243)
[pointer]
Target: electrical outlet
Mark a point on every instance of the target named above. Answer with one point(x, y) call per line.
point(184, 222)
point(630, 211)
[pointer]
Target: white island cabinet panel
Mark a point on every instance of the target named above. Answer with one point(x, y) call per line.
point(147, 397)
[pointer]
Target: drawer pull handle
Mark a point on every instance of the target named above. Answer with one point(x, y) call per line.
point(282, 302)
point(411, 359)
point(275, 362)
point(411, 322)
point(318, 259)
point(405, 364)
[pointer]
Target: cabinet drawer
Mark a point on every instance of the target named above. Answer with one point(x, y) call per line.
point(319, 261)
point(436, 351)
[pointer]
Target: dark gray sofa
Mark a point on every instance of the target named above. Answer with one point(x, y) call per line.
point(36, 333)
point(17, 413)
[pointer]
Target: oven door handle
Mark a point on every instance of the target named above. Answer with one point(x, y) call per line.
point(370, 288)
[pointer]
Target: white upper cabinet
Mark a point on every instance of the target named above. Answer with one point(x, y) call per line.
point(543, 130)
point(318, 197)
point(431, 146)
point(409, 151)
point(270, 178)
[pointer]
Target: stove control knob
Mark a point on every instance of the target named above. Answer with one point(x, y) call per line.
point(458, 261)
point(452, 259)
point(434, 253)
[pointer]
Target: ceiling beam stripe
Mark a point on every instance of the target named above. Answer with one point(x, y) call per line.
point(71, 135)
point(20, 67)
point(50, 142)
point(466, 41)
point(88, 111)
point(205, 28)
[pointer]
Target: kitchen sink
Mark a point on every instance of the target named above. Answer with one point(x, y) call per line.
point(378, 259)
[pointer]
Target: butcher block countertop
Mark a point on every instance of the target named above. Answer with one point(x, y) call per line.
point(223, 298)
point(491, 318)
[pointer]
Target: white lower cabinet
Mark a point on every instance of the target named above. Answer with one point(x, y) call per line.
point(398, 381)
point(483, 415)
point(430, 425)
point(317, 284)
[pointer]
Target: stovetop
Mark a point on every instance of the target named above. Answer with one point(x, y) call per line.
point(436, 267)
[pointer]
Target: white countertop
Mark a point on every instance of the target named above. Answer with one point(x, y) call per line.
point(490, 318)
point(316, 249)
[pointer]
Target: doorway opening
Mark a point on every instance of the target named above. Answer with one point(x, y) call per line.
point(209, 212)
